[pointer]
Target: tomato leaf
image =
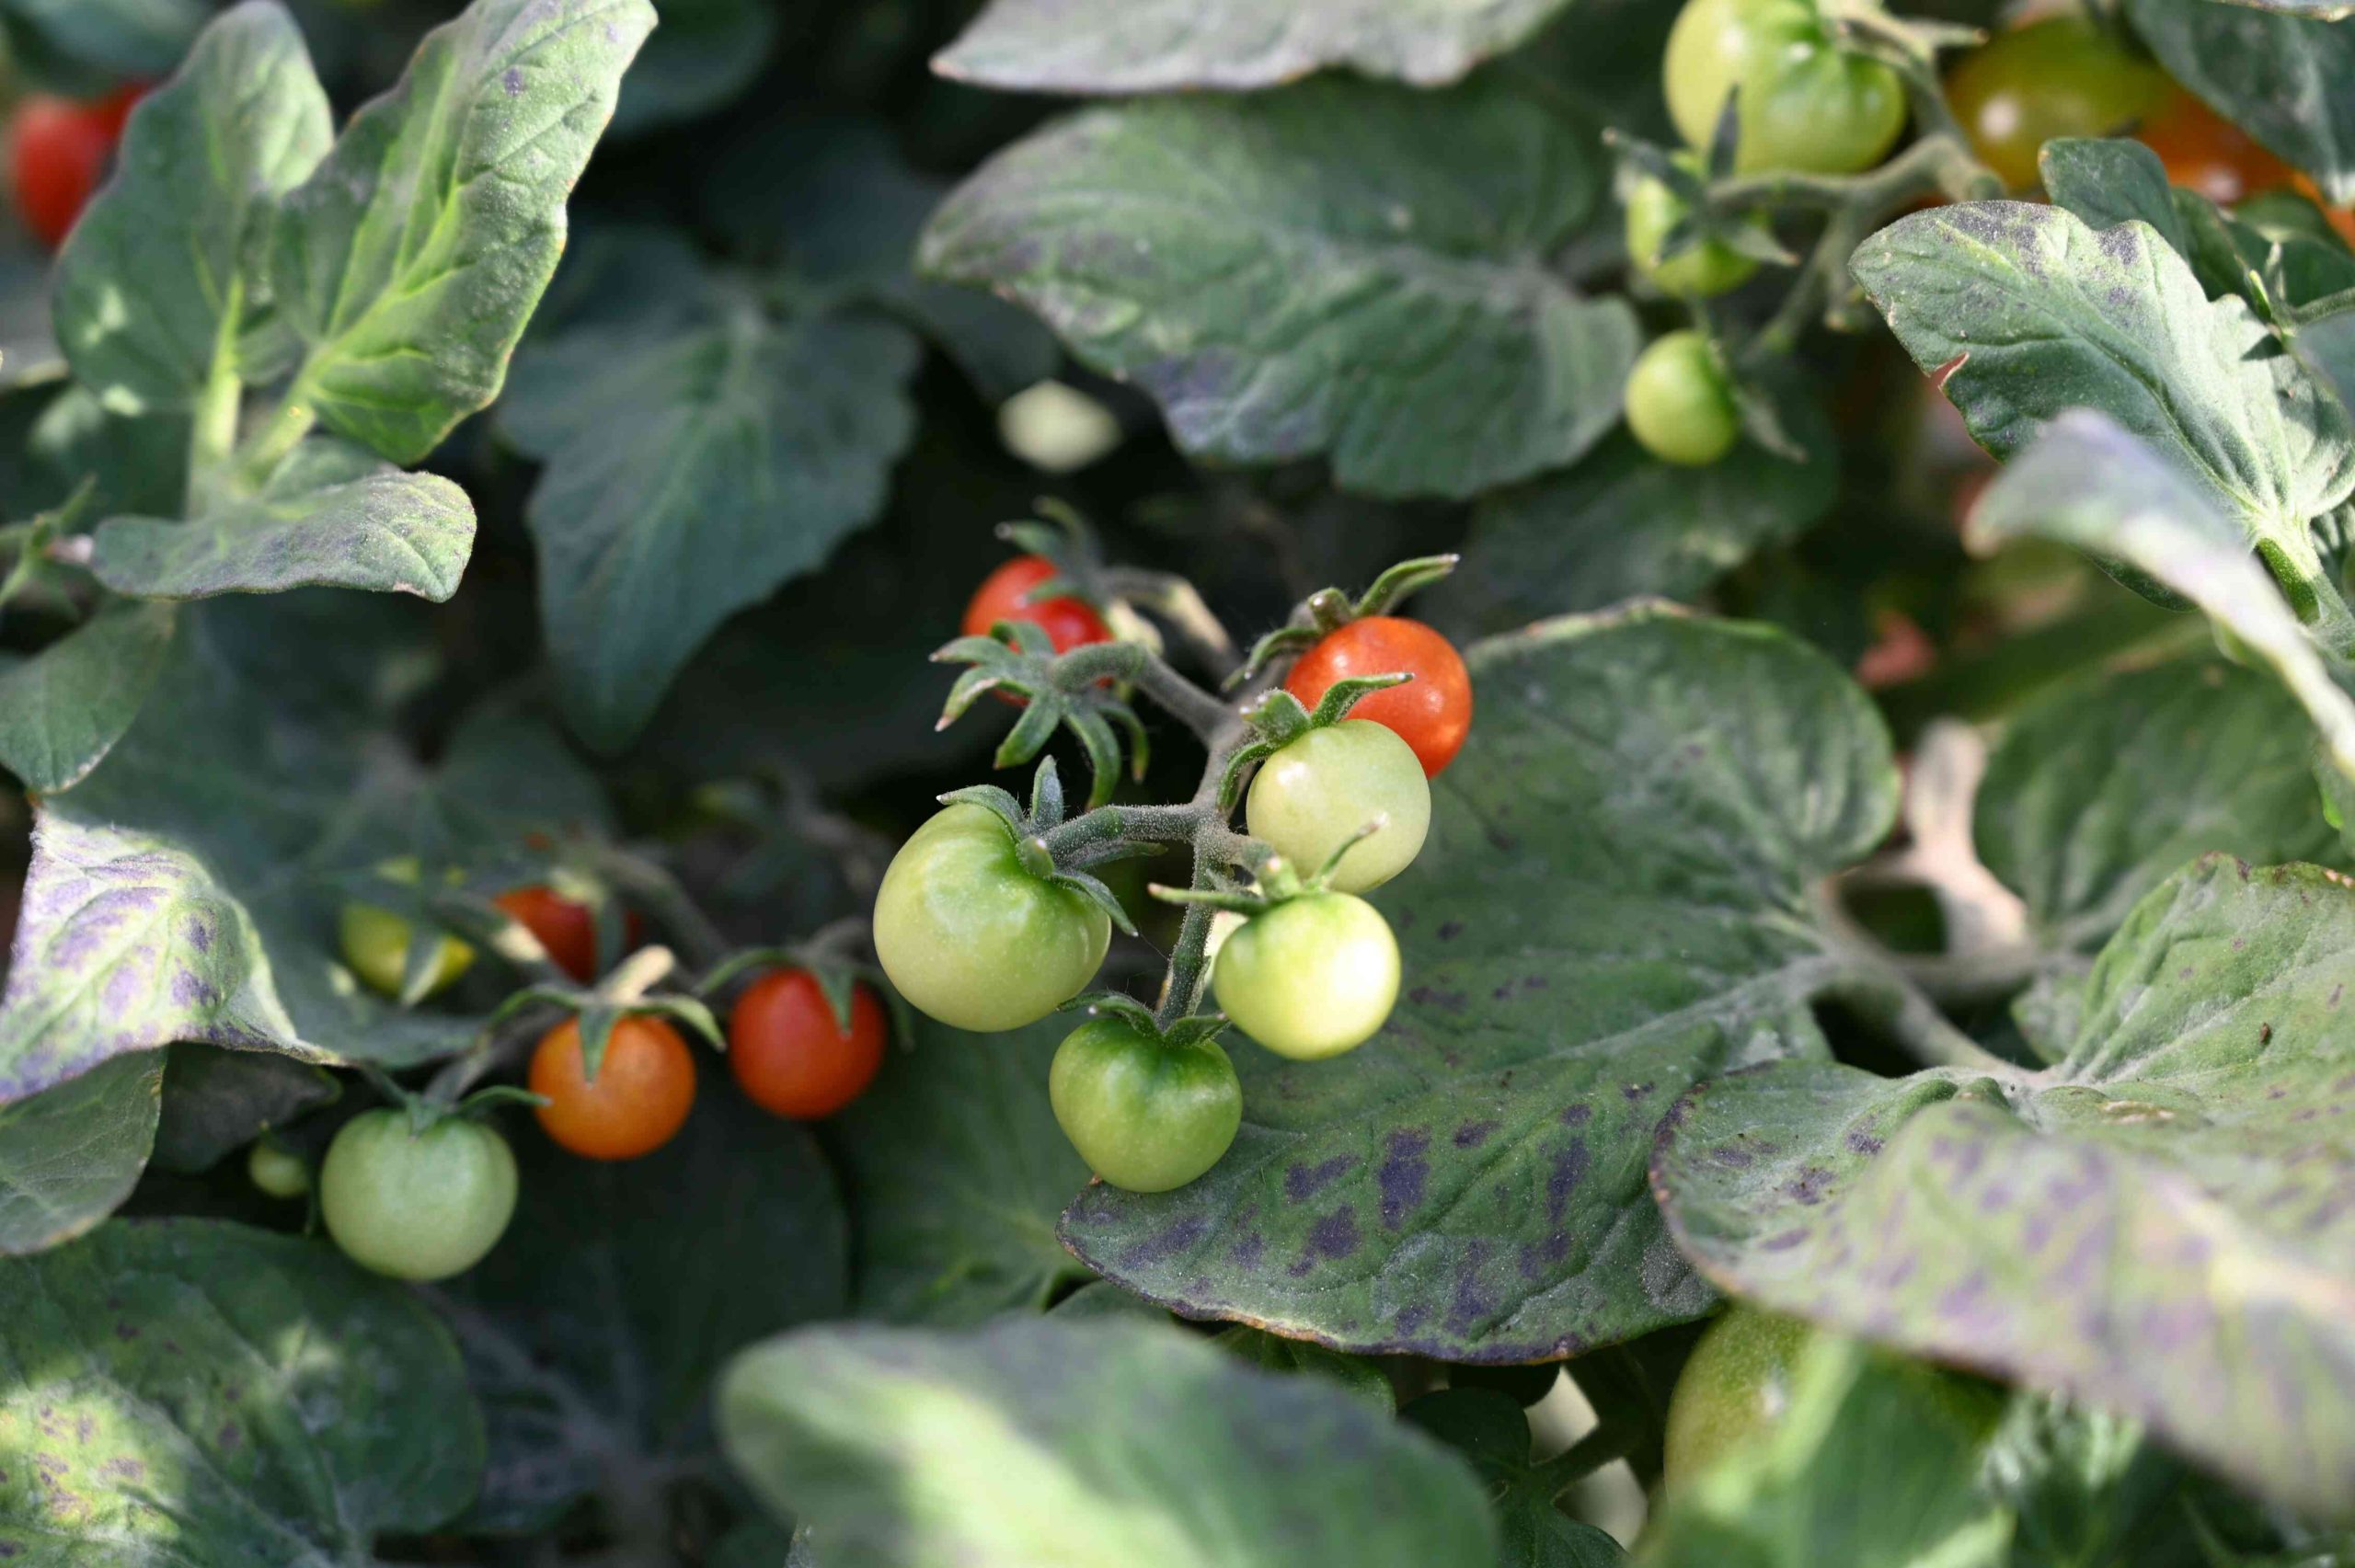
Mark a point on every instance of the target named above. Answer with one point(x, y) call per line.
point(69, 1156)
point(411, 259)
point(333, 516)
point(216, 1101)
point(1613, 904)
point(1105, 1442)
point(957, 1171)
point(1054, 46)
point(1337, 268)
point(161, 280)
point(2283, 72)
point(689, 474)
point(704, 54)
point(2178, 1179)
point(62, 709)
point(89, 46)
point(195, 1390)
point(592, 1333)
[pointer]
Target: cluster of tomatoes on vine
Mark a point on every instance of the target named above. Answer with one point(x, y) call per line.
point(987, 920)
point(1767, 87)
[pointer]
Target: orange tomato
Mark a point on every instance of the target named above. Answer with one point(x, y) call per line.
point(637, 1103)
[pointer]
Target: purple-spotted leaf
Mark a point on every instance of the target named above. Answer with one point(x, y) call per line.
point(1613, 904)
point(2158, 1225)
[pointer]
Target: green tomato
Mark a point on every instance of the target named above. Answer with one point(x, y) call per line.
point(974, 938)
point(1704, 272)
point(1310, 978)
point(1145, 1115)
point(417, 1205)
point(1734, 1388)
point(1309, 798)
point(276, 1173)
point(375, 940)
point(1805, 104)
point(2065, 76)
point(1680, 403)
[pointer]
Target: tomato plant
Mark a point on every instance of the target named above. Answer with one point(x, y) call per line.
point(942, 552)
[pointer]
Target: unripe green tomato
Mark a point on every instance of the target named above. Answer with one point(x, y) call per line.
point(1310, 978)
point(375, 940)
point(972, 937)
point(276, 1173)
point(417, 1205)
point(1703, 272)
point(1679, 404)
point(1145, 1115)
point(1805, 104)
point(1736, 1386)
point(2065, 76)
point(1309, 798)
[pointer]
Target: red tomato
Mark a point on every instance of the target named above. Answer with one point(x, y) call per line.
point(638, 1100)
point(1431, 714)
point(2206, 153)
point(566, 928)
point(57, 155)
point(1004, 596)
point(790, 1055)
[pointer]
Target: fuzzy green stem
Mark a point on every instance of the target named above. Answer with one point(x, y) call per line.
point(271, 443)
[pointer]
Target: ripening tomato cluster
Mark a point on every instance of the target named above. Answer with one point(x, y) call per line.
point(424, 1196)
point(973, 935)
point(58, 151)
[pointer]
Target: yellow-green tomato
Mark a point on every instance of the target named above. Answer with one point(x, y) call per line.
point(1145, 1115)
point(417, 1204)
point(1735, 1387)
point(375, 940)
point(1805, 104)
point(275, 1173)
point(1700, 272)
point(1310, 978)
point(1680, 402)
point(974, 938)
point(1311, 797)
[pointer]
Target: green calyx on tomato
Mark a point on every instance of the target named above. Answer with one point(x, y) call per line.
point(1147, 1114)
point(1803, 102)
point(417, 1202)
point(974, 933)
point(1314, 799)
point(1310, 978)
point(375, 940)
point(1703, 270)
point(2063, 75)
point(1680, 402)
point(1735, 1387)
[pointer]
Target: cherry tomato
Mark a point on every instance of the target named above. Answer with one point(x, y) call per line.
point(1311, 797)
point(1704, 272)
point(1145, 1115)
point(1310, 978)
point(791, 1056)
point(639, 1099)
point(1736, 1386)
point(57, 153)
point(1805, 104)
point(2206, 153)
point(375, 940)
point(1004, 596)
point(1680, 403)
point(972, 937)
point(417, 1205)
point(2065, 75)
point(1433, 713)
point(565, 927)
point(276, 1173)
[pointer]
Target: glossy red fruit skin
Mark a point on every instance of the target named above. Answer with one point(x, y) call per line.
point(1433, 713)
point(1068, 623)
point(789, 1054)
point(566, 927)
point(57, 155)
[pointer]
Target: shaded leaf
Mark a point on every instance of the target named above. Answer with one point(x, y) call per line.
point(1104, 1442)
point(68, 1157)
point(133, 465)
point(2284, 73)
point(704, 53)
point(1471, 1186)
point(216, 1101)
point(411, 259)
point(1336, 269)
point(64, 707)
point(87, 46)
